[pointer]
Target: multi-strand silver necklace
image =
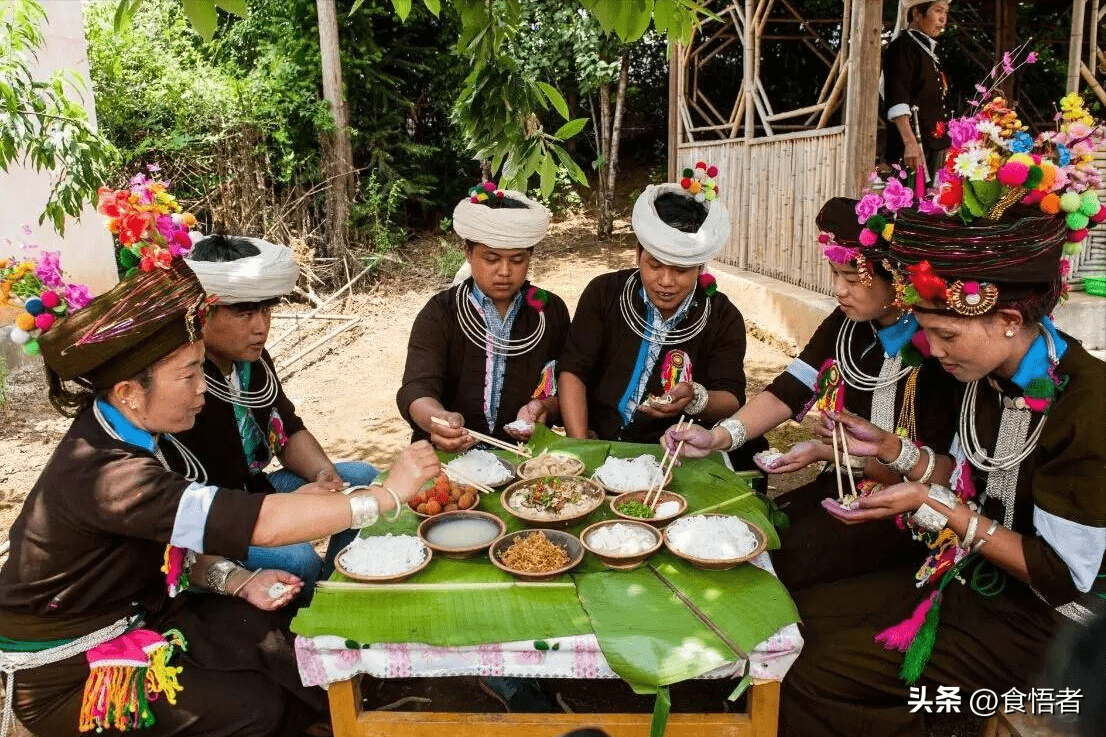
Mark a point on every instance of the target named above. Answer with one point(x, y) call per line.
point(193, 469)
point(884, 387)
point(1014, 444)
point(643, 329)
point(223, 388)
point(475, 328)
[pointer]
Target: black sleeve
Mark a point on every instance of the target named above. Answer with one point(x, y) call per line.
point(794, 391)
point(424, 374)
point(900, 68)
point(584, 341)
point(724, 367)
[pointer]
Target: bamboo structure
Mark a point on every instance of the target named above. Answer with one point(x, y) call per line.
point(781, 159)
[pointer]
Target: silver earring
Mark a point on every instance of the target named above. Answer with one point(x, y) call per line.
point(1009, 333)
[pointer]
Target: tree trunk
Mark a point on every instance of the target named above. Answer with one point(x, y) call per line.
point(616, 133)
point(603, 224)
point(336, 149)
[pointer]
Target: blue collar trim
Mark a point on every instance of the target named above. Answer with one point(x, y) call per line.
point(895, 337)
point(1035, 364)
point(123, 427)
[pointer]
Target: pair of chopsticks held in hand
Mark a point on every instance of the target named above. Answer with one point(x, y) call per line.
point(653, 496)
point(496, 442)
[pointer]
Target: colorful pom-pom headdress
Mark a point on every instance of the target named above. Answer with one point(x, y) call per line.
point(839, 237)
point(673, 246)
point(151, 227)
point(506, 228)
point(1008, 210)
point(40, 288)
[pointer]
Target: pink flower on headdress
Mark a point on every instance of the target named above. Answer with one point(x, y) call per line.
point(868, 206)
point(76, 296)
point(838, 254)
point(962, 131)
point(897, 196)
point(48, 269)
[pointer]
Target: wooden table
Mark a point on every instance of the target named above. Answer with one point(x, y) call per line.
point(351, 720)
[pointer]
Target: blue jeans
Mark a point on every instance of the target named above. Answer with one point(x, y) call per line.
point(300, 559)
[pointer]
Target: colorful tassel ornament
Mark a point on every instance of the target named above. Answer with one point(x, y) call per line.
point(125, 675)
point(547, 384)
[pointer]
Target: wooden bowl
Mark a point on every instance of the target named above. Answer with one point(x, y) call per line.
point(621, 562)
point(591, 489)
point(563, 540)
point(393, 578)
point(637, 496)
point(615, 492)
point(497, 485)
point(465, 552)
point(576, 466)
point(719, 564)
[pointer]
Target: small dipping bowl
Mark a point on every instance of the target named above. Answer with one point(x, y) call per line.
point(720, 564)
point(621, 561)
point(639, 496)
point(573, 466)
point(431, 528)
point(563, 540)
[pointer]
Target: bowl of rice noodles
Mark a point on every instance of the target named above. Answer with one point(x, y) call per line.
point(714, 542)
point(552, 501)
point(622, 475)
point(536, 555)
point(550, 464)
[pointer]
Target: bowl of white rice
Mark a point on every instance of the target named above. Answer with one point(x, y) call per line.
point(621, 544)
point(622, 475)
point(714, 542)
point(383, 558)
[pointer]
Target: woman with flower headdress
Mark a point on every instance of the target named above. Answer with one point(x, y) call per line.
point(482, 353)
point(115, 612)
point(1018, 538)
point(864, 357)
point(652, 343)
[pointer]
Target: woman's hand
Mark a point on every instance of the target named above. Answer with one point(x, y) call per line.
point(699, 442)
point(320, 487)
point(415, 466)
point(800, 456)
point(890, 501)
point(536, 413)
point(451, 437)
point(681, 395)
point(864, 438)
point(259, 591)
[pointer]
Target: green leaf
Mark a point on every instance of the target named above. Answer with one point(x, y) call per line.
point(662, 707)
point(663, 14)
point(548, 171)
point(987, 193)
point(570, 166)
point(434, 6)
point(403, 8)
point(357, 4)
point(238, 7)
point(571, 128)
point(201, 14)
point(554, 96)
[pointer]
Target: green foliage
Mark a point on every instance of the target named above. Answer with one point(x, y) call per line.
point(448, 259)
point(564, 196)
point(40, 124)
point(374, 216)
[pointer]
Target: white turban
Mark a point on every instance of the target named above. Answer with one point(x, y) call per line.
point(502, 227)
point(675, 247)
point(267, 275)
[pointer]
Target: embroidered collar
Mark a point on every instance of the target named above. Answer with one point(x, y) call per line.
point(123, 427)
point(1035, 364)
point(895, 336)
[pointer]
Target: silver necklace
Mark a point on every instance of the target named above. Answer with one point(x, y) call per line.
point(1014, 443)
point(857, 378)
point(475, 328)
point(193, 469)
point(223, 389)
point(644, 330)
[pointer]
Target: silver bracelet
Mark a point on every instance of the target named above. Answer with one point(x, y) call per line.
point(246, 583)
point(395, 498)
point(364, 510)
point(907, 458)
point(218, 573)
point(930, 464)
point(699, 401)
point(737, 431)
point(969, 534)
point(945, 496)
point(990, 531)
point(928, 519)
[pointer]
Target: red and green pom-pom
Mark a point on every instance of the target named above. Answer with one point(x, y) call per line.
point(911, 356)
point(708, 283)
point(537, 298)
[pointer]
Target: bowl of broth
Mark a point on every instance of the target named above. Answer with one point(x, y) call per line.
point(461, 534)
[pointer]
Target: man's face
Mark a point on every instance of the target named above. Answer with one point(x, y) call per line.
point(498, 272)
point(237, 332)
point(666, 286)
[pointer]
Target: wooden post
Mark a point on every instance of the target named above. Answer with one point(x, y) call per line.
point(749, 69)
point(337, 151)
point(1075, 43)
point(862, 103)
point(675, 89)
point(1006, 36)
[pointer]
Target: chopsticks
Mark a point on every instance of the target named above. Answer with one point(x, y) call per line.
point(837, 462)
point(656, 487)
point(463, 479)
point(518, 449)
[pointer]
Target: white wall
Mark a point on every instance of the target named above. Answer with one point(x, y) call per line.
point(86, 248)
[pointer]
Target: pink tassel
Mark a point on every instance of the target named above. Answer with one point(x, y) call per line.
point(902, 634)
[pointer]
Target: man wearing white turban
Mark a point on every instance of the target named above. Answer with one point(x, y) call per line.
point(653, 343)
point(482, 353)
point(247, 420)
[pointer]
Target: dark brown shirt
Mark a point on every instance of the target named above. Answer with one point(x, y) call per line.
point(215, 438)
point(912, 77)
point(602, 351)
point(444, 364)
point(90, 540)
